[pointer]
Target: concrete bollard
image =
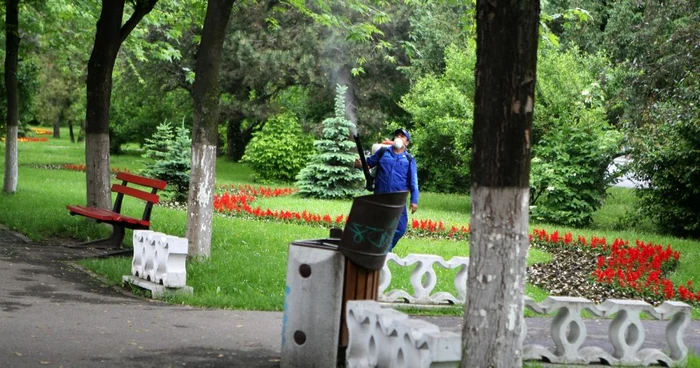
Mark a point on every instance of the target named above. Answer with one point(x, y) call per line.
point(158, 264)
point(137, 262)
point(312, 304)
point(171, 258)
point(149, 251)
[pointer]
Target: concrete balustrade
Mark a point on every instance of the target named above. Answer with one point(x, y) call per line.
point(626, 332)
point(383, 337)
point(424, 279)
point(158, 263)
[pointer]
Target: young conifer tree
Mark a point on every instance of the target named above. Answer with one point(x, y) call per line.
point(171, 159)
point(330, 173)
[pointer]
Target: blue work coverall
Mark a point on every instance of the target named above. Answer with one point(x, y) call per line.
point(395, 174)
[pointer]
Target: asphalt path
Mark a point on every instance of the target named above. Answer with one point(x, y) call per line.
point(54, 314)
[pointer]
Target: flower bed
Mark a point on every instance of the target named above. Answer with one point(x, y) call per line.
point(237, 200)
point(28, 139)
point(81, 167)
point(41, 131)
point(618, 269)
point(437, 229)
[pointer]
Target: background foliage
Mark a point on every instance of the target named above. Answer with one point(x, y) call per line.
point(667, 156)
point(441, 137)
point(614, 78)
point(279, 150)
point(573, 143)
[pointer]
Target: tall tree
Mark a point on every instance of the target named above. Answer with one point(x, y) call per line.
point(507, 37)
point(206, 96)
point(11, 55)
point(109, 37)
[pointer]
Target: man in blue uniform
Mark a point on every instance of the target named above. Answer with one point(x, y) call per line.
point(396, 172)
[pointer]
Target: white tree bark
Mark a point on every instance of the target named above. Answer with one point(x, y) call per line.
point(11, 159)
point(496, 282)
point(99, 193)
point(200, 210)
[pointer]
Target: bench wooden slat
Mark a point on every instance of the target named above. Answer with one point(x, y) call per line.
point(108, 216)
point(140, 180)
point(134, 192)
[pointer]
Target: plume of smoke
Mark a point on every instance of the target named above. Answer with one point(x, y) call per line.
point(339, 74)
point(350, 109)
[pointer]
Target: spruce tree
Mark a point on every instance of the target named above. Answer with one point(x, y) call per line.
point(156, 147)
point(171, 155)
point(330, 173)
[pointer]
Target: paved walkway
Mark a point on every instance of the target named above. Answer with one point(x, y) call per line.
point(53, 314)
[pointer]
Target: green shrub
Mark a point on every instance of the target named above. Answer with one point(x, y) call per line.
point(171, 158)
point(330, 173)
point(666, 154)
point(279, 150)
point(116, 139)
point(573, 144)
point(442, 111)
point(569, 177)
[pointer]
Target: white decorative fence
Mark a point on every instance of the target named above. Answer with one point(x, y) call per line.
point(626, 332)
point(424, 279)
point(382, 337)
point(158, 263)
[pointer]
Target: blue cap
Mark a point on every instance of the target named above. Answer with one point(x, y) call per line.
point(402, 131)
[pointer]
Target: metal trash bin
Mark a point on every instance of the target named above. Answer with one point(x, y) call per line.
point(312, 304)
point(323, 274)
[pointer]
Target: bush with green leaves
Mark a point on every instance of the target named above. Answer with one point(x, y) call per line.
point(573, 143)
point(279, 150)
point(666, 154)
point(170, 154)
point(330, 173)
point(442, 111)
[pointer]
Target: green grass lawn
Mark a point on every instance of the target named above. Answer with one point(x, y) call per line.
point(248, 259)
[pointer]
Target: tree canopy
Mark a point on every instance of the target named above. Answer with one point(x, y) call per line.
point(615, 71)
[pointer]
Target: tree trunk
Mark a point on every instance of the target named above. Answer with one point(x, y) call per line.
point(12, 122)
point(70, 131)
point(57, 129)
point(61, 117)
point(507, 36)
point(206, 93)
point(81, 132)
point(108, 38)
point(236, 138)
point(99, 92)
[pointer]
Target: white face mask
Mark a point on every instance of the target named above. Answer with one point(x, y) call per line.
point(398, 143)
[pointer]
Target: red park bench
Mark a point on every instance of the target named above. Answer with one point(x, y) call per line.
point(119, 221)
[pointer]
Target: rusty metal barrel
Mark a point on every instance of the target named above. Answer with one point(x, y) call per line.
point(370, 228)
